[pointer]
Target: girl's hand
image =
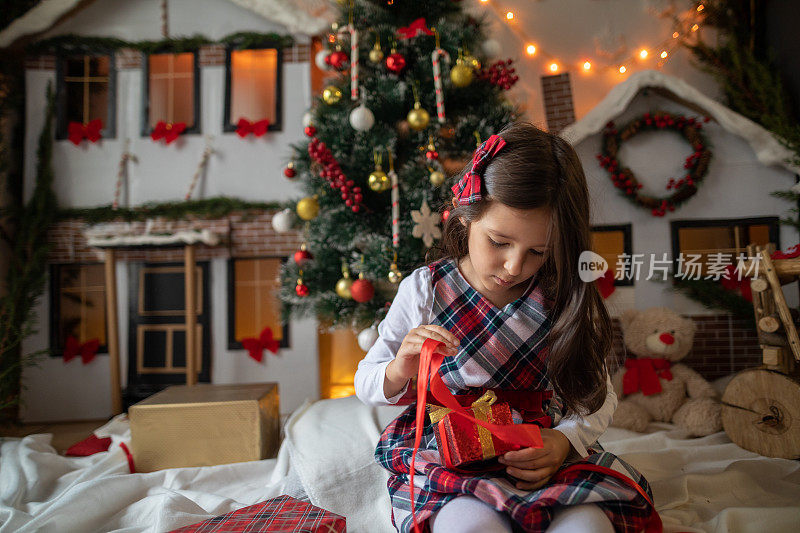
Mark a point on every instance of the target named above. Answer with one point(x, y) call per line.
point(406, 362)
point(534, 467)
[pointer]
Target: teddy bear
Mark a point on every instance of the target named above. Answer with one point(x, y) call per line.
point(651, 386)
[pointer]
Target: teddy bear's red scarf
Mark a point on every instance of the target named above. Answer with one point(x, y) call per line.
point(643, 374)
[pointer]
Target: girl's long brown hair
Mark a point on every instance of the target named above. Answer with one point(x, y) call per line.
point(538, 169)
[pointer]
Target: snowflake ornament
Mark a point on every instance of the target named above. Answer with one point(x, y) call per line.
point(426, 224)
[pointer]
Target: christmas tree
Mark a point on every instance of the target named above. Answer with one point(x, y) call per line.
point(413, 98)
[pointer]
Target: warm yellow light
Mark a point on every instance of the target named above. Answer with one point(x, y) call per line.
point(587, 66)
point(553, 67)
point(695, 27)
point(675, 35)
point(510, 15)
point(484, 1)
point(643, 53)
point(700, 8)
point(664, 54)
point(331, 38)
point(530, 49)
point(622, 69)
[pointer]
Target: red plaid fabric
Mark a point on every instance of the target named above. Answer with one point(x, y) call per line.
point(503, 350)
point(283, 514)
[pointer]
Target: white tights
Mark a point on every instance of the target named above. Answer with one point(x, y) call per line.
point(467, 514)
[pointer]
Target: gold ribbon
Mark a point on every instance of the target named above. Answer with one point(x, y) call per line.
point(482, 409)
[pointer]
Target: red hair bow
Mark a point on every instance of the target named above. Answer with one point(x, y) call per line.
point(414, 29)
point(256, 346)
point(87, 350)
point(643, 374)
point(468, 188)
point(167, 131)
point(244, 127)
point(76, 131)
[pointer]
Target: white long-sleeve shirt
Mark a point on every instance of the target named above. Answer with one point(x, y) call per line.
point(413, 307)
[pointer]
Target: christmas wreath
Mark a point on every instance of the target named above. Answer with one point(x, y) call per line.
point(696, 164)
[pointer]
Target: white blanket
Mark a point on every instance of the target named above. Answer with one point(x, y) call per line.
point(706, 484)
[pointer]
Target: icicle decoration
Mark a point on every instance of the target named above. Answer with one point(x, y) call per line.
point(122, 173)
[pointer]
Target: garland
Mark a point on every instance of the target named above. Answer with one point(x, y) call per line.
point(696, 164)
point(78, 44)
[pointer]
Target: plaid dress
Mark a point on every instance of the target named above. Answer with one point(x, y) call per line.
point(501, 349)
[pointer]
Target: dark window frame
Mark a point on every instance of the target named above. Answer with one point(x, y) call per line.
point(109, 130)
point(676, 225)
point(233, 344)
point(627, 248)
point(227, 126)
point(146, 130)
point(56, 344)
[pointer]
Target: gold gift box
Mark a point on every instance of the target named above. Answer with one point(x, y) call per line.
point(205, 425)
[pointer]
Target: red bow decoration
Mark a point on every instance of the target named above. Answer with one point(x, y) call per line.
point(606, 284)
point(167, 130)
point(468, 188)
point(256, 346)
point(643, 374)
point(791, 253)
point(414, 29)
point(244, 127)
point(87, 350)
point(731, 282)
point(76, 131)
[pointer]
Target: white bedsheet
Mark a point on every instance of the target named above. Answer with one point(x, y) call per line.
point(706, 484)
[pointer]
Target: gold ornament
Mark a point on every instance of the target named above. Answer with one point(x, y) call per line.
point(331, 95)
point(418, 118)
point(461, 74)
point(343, 287)
point(308, 208)
point(376, 54)
point(378, 181)
point(437, 178)
point(394, 274)
point(472, 62)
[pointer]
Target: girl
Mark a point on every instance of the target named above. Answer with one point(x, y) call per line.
point(507, 301)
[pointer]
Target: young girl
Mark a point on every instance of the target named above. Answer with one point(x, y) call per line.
point(507, 301)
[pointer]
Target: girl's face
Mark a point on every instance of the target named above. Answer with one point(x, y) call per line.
point(506, 247)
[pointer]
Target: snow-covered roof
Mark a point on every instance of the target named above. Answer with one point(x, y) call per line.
point(307, 17)
point(767, 148)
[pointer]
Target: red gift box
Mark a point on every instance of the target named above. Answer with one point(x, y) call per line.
point(282, 514)
point(462, 441)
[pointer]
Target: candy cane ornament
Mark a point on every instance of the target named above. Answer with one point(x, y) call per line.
point(395, 204)
point(353, 59)
point(437, 77)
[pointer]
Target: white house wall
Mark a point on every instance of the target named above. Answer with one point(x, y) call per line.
point(736, 186)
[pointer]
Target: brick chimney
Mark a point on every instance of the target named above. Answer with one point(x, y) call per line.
point(558, 107)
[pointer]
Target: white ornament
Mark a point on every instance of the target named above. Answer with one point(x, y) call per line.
point(367, 338)
point(361, 118)
point(426, 224)
point(282, 220)
point(319, 59)
point(492, 48)
point(307, 119)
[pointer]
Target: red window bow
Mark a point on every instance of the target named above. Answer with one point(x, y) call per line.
point(168, 131)
point(76, 131)
point(256, 346)
point(643, 374)
point(414, 29)
point(87, 350)
point(244, 127)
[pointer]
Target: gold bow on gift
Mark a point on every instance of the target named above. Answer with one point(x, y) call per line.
point(482, 410)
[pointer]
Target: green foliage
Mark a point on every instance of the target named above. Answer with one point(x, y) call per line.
point(714, 296)
point(338, 235)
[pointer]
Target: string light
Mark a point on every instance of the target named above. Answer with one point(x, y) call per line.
point(675, 35)
point(700, 8)
point(664, 54)
point(587, 65)
point(695, 27)
point(531, 49)
point(643, 53)
point(510, 15)
point(622, 69)
point(553, 67)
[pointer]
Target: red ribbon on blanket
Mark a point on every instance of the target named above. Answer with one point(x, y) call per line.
point(527, 435)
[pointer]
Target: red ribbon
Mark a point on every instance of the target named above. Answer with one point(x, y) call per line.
point(790, 253)
point(167, 131)
point(415, 28)
point(129, 455)
point(244, 127)
point(468, 188)
point(523, 435)
point(76, 131)
point(606, 284)
point(256, 346)
point(87, 350)
point(731, 281)
point(643, 374)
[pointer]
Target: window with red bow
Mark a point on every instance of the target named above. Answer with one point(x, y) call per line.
point(253, 304)
point(173, 91)
point(253, 96)
point(77, 305)
point(612, 243)
point(85, 94)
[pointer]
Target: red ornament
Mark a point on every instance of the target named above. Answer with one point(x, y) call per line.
point(432, 154)
point(310, 131)
point(289, 172)
point(336, 59)
point(301, 289)
point(302, 256)
point(362, 290)
point(396, 62)
point(445, 215)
